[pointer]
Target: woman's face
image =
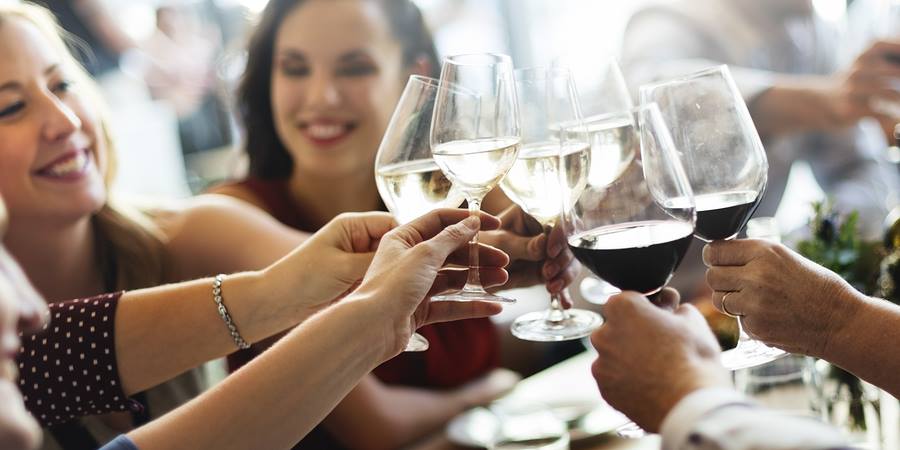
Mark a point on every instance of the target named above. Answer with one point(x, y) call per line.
point(49, 137)
point(21, 309)
point(337, 73)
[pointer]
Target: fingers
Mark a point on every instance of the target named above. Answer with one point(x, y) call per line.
point(455, 279)
point(667, 299)
point(884, 49)
point(449, 311)
point(726, 278)
point(431, 224)
point(736, 252)
point(624, 304)
point(363, 229)
point(526, 248)
point(728, 302)
point(561, 271)
point(487, 256)
point(565, 299)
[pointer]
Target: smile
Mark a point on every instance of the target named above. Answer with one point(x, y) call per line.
point(326, 132)
point(70, 167)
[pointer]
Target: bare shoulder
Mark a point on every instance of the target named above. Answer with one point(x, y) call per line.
point(239, 192)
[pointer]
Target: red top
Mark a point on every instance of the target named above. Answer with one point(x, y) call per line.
point(458, 351)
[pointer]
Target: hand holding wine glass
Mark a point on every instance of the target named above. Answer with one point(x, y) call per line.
point(725, 163)
point(475, 141)
point(547, 177)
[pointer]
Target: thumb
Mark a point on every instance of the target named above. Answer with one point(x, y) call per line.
point(689, 313)
point(450, 239)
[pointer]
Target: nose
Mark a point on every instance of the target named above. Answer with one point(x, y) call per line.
point(60, 120)
point(323, 91)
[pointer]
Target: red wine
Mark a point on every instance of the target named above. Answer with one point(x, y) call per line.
point(722, 215)
point(635, 256)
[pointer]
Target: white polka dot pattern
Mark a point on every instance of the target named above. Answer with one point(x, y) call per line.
point(69, 369)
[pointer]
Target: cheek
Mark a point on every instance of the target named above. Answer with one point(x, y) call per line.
point(17, 154)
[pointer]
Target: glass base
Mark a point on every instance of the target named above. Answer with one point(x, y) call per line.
point(472, 295)
point(535, 326)
point(631, 430)
point(417, 343)
point(750, 353)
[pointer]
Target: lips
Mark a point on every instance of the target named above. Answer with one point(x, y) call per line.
point(326, 132)
point(69, 167)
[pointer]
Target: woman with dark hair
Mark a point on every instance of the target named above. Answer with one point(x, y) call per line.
point(320, 86)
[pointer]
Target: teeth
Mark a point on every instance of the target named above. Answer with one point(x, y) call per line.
point(325, 131)
point(69, 166)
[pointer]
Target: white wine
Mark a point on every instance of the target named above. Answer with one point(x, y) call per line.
point(477, 165)
point(412, 188)
point(614, 145)
point(536, 184)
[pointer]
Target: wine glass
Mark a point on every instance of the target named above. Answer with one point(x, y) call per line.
point(475, 141)
point(547, 100)
point(601, 91)
point(726, 164)
point(633, 222)
point(408, 179)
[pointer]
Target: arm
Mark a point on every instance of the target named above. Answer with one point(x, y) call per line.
point(383, 416)
point(277, 398)
point(799, 306)
point(661, 368)
point(200, 246)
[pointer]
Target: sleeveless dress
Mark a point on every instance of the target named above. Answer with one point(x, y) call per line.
point(459, 351)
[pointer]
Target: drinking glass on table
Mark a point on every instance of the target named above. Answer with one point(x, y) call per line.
point(548, 175)
point(725, 163)
point(475, 141)
point(408, 179)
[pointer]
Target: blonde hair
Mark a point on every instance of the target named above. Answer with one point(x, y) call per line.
point(130, 246)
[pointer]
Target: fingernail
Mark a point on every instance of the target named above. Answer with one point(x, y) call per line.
point(472, 223)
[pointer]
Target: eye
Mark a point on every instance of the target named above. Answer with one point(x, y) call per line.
point(295, 70)
point(11, 110)
point(356, 70)
point(62, 87)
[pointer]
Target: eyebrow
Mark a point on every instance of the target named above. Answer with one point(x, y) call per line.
point(11, 85)
point(354, 54)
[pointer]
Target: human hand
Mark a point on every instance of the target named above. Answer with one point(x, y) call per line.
point(536, 256)
point(344, 247)
point(649, 358)
point(872, 77)
point(784, 299)
point(407, 268)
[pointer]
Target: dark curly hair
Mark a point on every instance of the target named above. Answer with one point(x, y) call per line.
point(269, 158)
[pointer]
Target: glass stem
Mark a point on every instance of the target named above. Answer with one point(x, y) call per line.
point(742, 335)
point(556, 313)
point(474, 277)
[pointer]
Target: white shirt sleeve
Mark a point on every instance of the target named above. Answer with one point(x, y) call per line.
point(722, 419)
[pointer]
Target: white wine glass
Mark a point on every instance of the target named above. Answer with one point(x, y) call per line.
point(408, 179)
point(475, 141)
point(726, 164)
point(548, 176)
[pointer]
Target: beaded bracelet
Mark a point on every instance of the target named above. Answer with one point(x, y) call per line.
point(223, 313)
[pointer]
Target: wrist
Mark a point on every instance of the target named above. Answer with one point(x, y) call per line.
point(701, 375)
point(289, 292)
point(849, 313)
point(379, 330)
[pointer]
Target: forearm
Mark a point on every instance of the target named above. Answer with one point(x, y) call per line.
point(794, 104)
point(875, 326)
point(280, 396)
point(384, 417)
point(164, 331)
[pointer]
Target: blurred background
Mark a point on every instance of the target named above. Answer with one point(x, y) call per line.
point(168, 68)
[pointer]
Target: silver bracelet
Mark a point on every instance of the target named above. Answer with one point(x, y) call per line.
point(223, 313)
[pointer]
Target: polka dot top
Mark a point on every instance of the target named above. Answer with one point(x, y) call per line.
point(69, 369)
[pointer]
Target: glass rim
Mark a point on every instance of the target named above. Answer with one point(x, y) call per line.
point(723, 68)
point(543, 72)
point(612, 117)
point(455, 59)
point(437, 83)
